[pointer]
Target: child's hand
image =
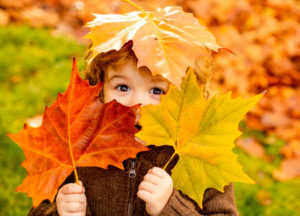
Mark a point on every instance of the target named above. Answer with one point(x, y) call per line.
point(155, 190)
point(71, 200)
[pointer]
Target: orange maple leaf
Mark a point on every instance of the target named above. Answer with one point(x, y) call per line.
point(167, 40)
point(76, 126)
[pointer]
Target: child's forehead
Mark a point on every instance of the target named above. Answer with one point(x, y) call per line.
point(130, 69)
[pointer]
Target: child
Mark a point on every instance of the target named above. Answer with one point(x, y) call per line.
point(142, 188)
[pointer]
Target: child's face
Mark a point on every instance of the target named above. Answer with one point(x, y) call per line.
point(130, 86)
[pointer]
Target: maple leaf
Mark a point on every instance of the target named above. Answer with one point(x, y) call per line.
point(167, 40)
point(202, 133)
point(77, 125)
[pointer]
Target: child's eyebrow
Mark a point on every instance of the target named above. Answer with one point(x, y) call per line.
point(115, 77)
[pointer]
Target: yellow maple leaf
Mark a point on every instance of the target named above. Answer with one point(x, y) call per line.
point(167, 40)
point(202, 132)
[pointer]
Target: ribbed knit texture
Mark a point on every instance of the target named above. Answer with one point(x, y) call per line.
point(109, 191)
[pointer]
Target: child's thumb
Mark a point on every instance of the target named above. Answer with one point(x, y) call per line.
point(80, 183)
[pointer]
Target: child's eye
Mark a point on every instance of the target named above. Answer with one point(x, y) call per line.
point(123, 88)
point(157, 91)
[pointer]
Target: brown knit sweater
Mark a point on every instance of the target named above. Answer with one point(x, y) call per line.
point(112, 191)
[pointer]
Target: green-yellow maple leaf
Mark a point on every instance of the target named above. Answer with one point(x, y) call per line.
point(202, 132)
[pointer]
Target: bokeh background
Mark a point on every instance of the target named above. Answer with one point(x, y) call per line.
point(38, 39)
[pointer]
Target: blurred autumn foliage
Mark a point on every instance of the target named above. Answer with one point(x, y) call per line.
point(264, 34)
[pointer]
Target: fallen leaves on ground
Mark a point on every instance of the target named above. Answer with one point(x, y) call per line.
point(251, 146)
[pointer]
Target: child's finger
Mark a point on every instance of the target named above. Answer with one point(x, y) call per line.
point(145, 195)
point(158, 172)
point(72, 188)
point(147, 186)
point(75, 198)
point(152, 179)
point(73, 207)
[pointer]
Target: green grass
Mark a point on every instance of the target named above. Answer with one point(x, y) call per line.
point(267, 197)
point(34, 67)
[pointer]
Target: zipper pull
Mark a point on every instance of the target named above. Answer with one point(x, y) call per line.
point(132, 173)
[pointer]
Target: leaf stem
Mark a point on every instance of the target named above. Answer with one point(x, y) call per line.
point(136, 6)
point(74, 73)
point(165, 166)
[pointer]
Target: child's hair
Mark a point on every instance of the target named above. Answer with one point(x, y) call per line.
point(96, 69)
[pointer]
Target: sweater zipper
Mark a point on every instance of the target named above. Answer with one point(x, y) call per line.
point(132, 174)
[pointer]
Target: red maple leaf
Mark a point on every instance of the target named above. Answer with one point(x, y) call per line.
point(77, 125)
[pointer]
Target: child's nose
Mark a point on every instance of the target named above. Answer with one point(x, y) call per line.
point(141, 98)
